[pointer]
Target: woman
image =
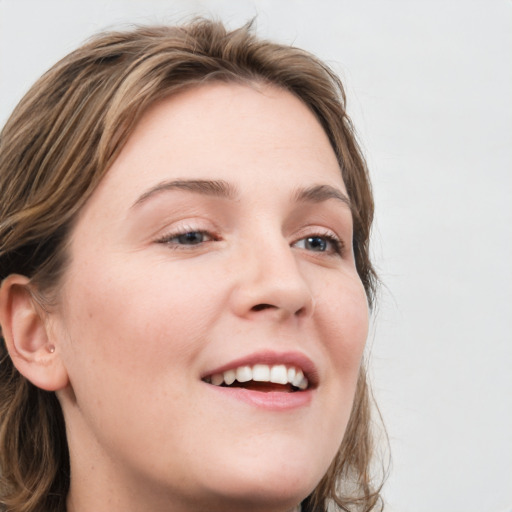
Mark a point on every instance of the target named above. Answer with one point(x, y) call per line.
point(185, 281)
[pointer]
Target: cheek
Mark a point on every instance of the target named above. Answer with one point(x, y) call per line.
point(133, 342)
point(342, 322)
point(128, 320)
point(345, 322)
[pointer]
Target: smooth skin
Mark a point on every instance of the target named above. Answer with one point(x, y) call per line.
point(199, 247)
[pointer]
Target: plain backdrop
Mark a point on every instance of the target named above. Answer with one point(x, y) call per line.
point(429, 87)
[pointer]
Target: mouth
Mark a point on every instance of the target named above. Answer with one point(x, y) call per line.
point(262, 377)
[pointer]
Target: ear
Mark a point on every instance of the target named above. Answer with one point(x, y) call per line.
point(25, 330)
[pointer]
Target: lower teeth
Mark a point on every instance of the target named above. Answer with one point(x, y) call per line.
point(258, 386)
point(265, 387)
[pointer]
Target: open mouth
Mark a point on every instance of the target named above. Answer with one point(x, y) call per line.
point(262, 377)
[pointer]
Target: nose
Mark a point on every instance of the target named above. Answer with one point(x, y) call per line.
point(269, 282)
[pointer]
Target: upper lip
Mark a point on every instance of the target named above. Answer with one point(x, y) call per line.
point(271, 357)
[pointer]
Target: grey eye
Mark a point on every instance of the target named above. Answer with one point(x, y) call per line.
point(316, 243)
point(320, 243)
point(190, 238)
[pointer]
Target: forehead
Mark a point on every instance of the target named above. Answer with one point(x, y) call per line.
point(248, 135)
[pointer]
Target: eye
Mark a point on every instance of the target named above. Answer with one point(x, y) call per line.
point(186, 238)
point(320, 243)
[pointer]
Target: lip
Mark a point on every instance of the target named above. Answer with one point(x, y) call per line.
point(271, 357)
point(271, 400)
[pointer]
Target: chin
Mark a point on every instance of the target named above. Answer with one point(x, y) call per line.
point(278, 486)
point(270, 470)
point(277, 497)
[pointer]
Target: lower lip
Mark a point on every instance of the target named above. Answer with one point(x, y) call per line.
point(272, 400)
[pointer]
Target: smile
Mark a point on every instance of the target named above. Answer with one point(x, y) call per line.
point(262, 377)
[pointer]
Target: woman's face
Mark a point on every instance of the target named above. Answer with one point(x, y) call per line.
point(218, 245)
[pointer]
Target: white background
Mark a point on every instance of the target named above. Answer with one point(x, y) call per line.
point(429, 85)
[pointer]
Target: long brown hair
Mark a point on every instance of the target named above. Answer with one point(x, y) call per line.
point(55, 148)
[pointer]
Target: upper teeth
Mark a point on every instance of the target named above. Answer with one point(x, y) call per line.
point(278, 374)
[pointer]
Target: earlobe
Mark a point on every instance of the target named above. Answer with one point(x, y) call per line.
point(25, 330)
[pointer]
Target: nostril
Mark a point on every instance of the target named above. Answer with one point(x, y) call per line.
point(260, 307)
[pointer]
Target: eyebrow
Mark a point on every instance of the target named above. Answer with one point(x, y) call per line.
point(216, 188)
point(223, 189)
point(320, 193)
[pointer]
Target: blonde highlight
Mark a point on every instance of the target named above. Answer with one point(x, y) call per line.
point(54, 150)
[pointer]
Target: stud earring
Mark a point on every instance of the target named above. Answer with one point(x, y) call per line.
point(51, 349)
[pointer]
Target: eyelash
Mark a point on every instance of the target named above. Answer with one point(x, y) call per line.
point(338, 246)
point(168, 238)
